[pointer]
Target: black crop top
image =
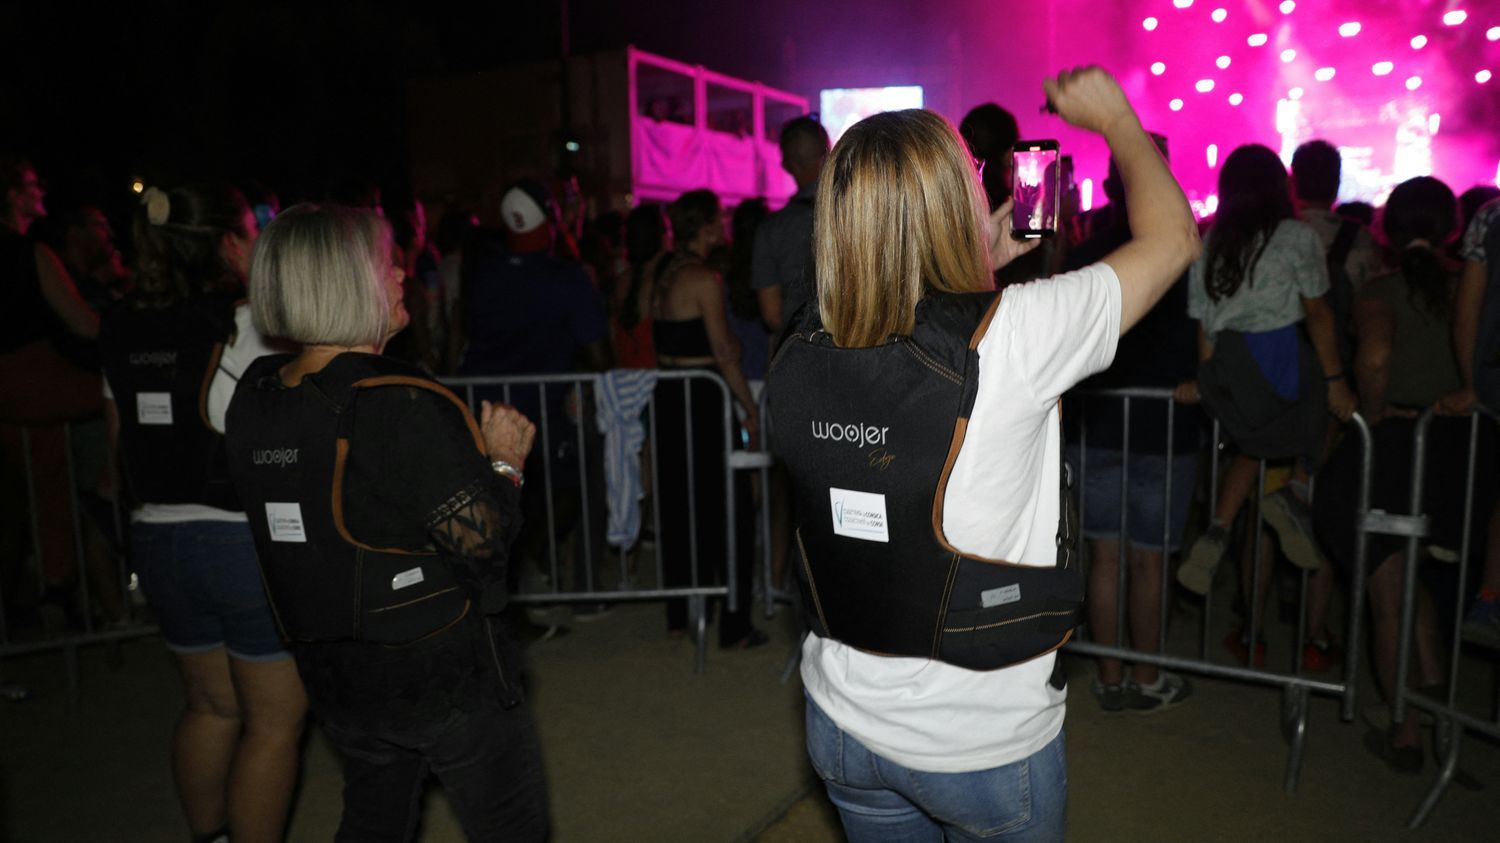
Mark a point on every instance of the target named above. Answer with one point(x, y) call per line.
point(681, 337)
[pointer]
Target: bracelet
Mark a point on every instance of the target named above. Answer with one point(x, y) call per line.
point(505, 469)
point(1332, 378)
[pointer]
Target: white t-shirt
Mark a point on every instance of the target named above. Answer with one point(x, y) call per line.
point(239, 352)
point(1001, 503)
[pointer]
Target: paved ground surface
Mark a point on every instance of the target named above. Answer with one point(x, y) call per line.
point(638, 748)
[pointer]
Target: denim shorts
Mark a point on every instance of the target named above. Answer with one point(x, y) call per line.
point(1145, 499)
point(203, 583)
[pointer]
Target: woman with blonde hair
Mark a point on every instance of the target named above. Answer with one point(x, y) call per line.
point(172, 353)
point(916, 410)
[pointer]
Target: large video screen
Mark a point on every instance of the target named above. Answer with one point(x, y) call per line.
point(843, 107)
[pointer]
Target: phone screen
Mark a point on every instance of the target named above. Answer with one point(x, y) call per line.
point(1037, 189)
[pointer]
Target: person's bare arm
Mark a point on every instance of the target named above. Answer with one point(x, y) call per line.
point(708, 292)
point(62, 295)
point(1164, 237)
point(1341, 399)
point(1375, 325)
point(1468, 299)
point(769, 300)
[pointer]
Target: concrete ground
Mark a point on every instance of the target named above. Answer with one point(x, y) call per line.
point(639, 748)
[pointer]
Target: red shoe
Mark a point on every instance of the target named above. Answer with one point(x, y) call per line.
point(1238, 645)
point(1320, 659)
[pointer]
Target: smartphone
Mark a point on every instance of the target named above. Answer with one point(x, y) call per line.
point(1036, 186)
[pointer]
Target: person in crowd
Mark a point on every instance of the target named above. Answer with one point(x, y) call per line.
point(1269, 365)
point(690, 330)
point(1353, 258)
point(41, 390)
point(1361, 212)
point(744, 313)
point(172, 354)
point(88, 253)
point(427, 338)
point(1158, 353)
point(962, 729)
point(1476, 345)
point(1404, 363)
point(603, 247)
point(528, 311)
point(1469, 203)
point(781, 266)
point(630, 306)
point(383, 513)
point(991, 132)
point(459, 226)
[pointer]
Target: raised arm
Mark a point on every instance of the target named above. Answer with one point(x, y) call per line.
point(1164, 237)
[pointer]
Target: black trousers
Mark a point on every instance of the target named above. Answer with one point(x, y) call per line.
point(691, 502)
point(443, 705)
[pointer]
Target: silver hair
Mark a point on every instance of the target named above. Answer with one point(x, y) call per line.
point(317, 276)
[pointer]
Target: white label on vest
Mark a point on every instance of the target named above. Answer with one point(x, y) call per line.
point(406, 578)
point(859, 515)
point(285, 520)
point(1000, 596)
point(153, 407)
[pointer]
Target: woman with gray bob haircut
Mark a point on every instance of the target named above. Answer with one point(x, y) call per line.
point(383, 513)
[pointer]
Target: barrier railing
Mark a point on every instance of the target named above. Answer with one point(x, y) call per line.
point(18, 638)
point(1296, 687)
point(1451, 722)
point(573, 393)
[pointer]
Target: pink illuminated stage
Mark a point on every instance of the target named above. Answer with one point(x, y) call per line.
point(1404, 88)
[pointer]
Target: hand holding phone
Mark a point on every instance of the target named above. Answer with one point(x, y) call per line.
point(1036, 189)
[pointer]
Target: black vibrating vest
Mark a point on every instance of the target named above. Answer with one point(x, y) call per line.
point(287, 450)
point(159, 364)
point(869, 436)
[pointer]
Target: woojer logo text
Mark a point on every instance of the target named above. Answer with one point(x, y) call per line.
point(279, 457)
point(858, 435)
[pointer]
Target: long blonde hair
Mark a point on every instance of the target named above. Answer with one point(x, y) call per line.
point(899, 212)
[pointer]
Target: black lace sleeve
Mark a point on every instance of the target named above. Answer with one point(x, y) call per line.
point(479, 521)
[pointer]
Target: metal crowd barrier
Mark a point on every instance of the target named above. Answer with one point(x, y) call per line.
point(1452, 723)
point(130, 625)
point(586, 587)
point(1296, 688)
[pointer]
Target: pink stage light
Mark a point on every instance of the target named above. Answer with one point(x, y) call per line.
point(1213, 155)
point(1349, 30)
point(1419, 42)
point(1294, 94)
point(1236, 98)
point(1182, 4)
point(1382, 68)
point(1482, 76)
point(1288, 55)
point(1222, 62)
point(1158, 68)
point(1176, 104)
point(1434, 120)
point(1323, 74)
point(1204, 85)
point(1149, 24)
point(1287, 7)
point(1493, 33)
point(1258, 39)
point(1456, 17)
point(1086, 194)
point(1413, 83)
point(1219, 15)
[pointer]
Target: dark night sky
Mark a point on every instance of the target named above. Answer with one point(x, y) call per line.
point(299, 95)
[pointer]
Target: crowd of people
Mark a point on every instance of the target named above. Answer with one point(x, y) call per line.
point(259, 500)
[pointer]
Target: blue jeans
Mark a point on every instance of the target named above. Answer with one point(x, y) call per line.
point(880, 800)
